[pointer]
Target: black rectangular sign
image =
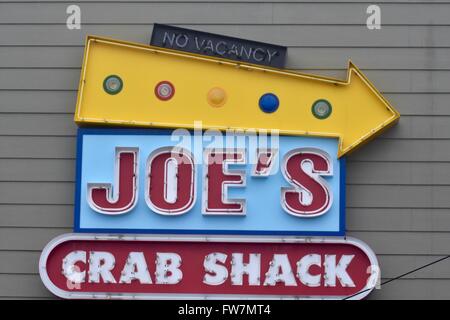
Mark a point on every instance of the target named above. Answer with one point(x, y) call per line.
point(218, 46)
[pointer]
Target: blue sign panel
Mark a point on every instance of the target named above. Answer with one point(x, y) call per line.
point(134, 181)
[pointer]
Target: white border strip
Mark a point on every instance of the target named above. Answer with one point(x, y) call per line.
point(186, 238)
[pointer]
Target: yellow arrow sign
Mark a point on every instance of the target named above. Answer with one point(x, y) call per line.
point(132, 84)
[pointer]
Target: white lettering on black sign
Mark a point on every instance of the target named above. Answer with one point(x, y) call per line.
point(218, 46)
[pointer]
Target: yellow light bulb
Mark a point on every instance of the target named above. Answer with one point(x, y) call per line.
point(216, 97)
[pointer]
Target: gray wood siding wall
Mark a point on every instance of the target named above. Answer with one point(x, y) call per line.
point(398, 186)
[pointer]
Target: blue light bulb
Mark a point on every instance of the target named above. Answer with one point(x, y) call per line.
point(269, 102)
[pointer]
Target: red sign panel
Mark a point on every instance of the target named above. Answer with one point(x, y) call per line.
point(138, 267)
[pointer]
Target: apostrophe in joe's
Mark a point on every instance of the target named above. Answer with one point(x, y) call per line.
point(92, 266)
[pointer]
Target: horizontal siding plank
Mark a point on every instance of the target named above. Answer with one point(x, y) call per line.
point(405, 243)
point(216, 13)
point(288, 35)
point(19, 262)
point(393, 266)
point(227, 13)
point(58, 170)
point(420, 104)
point(28, 238)
point(402, 173)
point(37, 147)
point(416, 127)
point(64, 102)
point(36, 192)
point(37, 124)
point(298, 58)
point(413, 289)
point(382, 242)
point(39, 101)
point(420, 81)
point(34, 215)
point(23, 286)
point(378, 150)
point(404, 150)
point(354, 13)
point(395, 219)
point(408, 196)
point(360, 173)
point(357, 219)
point(44, 57)
point(40, 79)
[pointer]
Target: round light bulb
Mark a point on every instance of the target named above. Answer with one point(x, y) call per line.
point(269, 103)
point(113, 84)
point(216, 97)
point(164, 90)
point(321, 109)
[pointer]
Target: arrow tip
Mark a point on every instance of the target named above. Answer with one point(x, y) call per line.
point(368, 111)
